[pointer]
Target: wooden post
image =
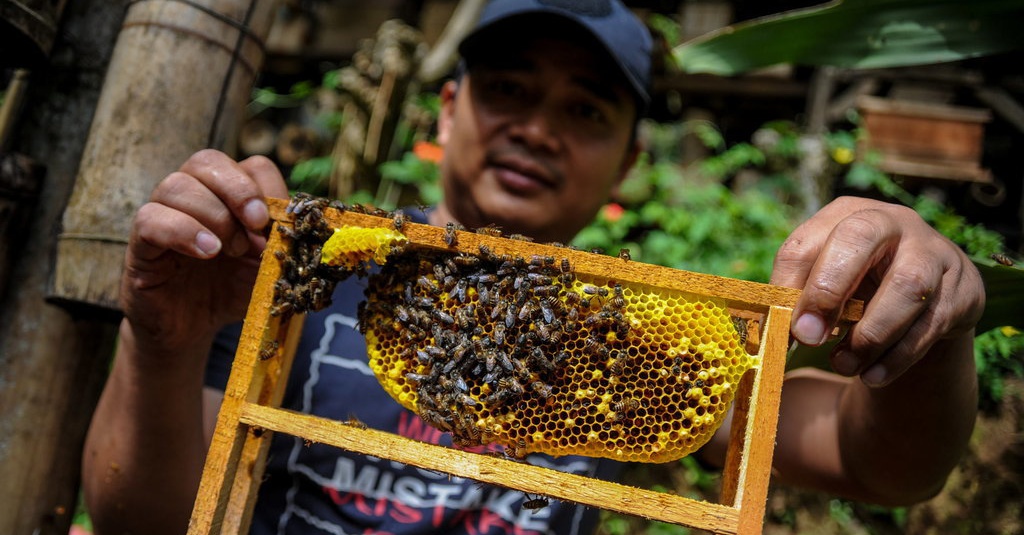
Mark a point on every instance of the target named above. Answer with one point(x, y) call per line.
point(52, 363)
point(178, 82)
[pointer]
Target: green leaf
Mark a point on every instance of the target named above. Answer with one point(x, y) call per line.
point(860, 34)
point(1004, 291)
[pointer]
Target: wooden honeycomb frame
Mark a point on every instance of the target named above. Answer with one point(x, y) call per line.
point(250, 411)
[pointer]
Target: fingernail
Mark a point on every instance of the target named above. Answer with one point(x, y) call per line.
point(875, 375)
point(255, 214)
point(809, 329)
point(844, 363)
point(207, 243)
point(239, 244)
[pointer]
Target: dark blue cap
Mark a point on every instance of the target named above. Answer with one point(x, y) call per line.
point(625, 39)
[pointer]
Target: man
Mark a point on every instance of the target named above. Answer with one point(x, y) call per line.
point(538, 131)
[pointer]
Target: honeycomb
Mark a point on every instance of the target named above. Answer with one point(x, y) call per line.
point(528, 354)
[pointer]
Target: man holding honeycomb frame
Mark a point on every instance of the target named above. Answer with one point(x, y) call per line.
point(538, 131)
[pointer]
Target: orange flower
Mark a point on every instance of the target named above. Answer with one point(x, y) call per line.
point(612, 211)
point(427, 151)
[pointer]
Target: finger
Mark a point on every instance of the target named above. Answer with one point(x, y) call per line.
point(896, 359)
point(159, 228)
point(905, 292)
point(266, 175)
point(856, 245)
point(187, 194)
point(272, 183)
point(952, 310)
point(232, 184)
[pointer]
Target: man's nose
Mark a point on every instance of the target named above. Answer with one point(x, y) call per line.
point(537, 128)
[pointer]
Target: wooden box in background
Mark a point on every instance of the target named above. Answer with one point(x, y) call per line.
point(926, 140)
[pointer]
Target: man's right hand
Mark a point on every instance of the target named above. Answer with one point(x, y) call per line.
point(194, 251)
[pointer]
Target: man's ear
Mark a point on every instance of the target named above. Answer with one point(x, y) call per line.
point(444, 118)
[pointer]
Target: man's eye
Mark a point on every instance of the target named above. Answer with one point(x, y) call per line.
point(506, 88)
point(588, 112)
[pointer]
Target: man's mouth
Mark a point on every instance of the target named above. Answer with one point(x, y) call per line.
point(523, 175)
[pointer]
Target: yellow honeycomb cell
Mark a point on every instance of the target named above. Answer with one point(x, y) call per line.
point(351, 246)
point(528, 354)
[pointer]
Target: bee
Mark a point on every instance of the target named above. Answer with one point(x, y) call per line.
point(509, 384)
point(618, 301)
point(550, 332)
point(618, 365)
point(423, 302)
point(536, 504)
point(354, 422)
point(280, 309)
point(572, 298)
point(626, 405)
point(1001, 258)
point(417, 378)
point(547, 307)
point(550, 290)
point(624, 254)
point(510, 317)
point(520, 237)
point(537, 357)
point(527, 310)
point(741, 329)
point(499, 334)
point(429, 285)
point(466, 260)
point(538, 279)
point(268, 350)
point(565, 267)
point(542, 390)
point(450, 237)
point(489, 230)
point(399, 221)
point(436, 419)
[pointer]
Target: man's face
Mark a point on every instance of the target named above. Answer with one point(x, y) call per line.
point(535, 139)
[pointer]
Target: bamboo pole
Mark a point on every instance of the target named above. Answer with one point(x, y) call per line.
point(52, 364)
point(178, 81)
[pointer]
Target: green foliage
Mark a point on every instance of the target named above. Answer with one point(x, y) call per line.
point(265, 97)
point(690, 219)
point(859, 34)
point(998, 354)
point(310, 176)
point(417, 174)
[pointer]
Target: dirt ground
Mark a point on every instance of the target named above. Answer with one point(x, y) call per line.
point(983, 496)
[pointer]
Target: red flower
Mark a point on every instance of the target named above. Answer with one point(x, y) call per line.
point(427, 151)
point(612, 212)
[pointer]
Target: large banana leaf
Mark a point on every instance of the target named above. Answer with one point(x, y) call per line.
point(861, 34)
point(1004, 291)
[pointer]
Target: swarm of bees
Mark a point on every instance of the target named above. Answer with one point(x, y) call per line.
point(305, 284)
point(530, 354)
